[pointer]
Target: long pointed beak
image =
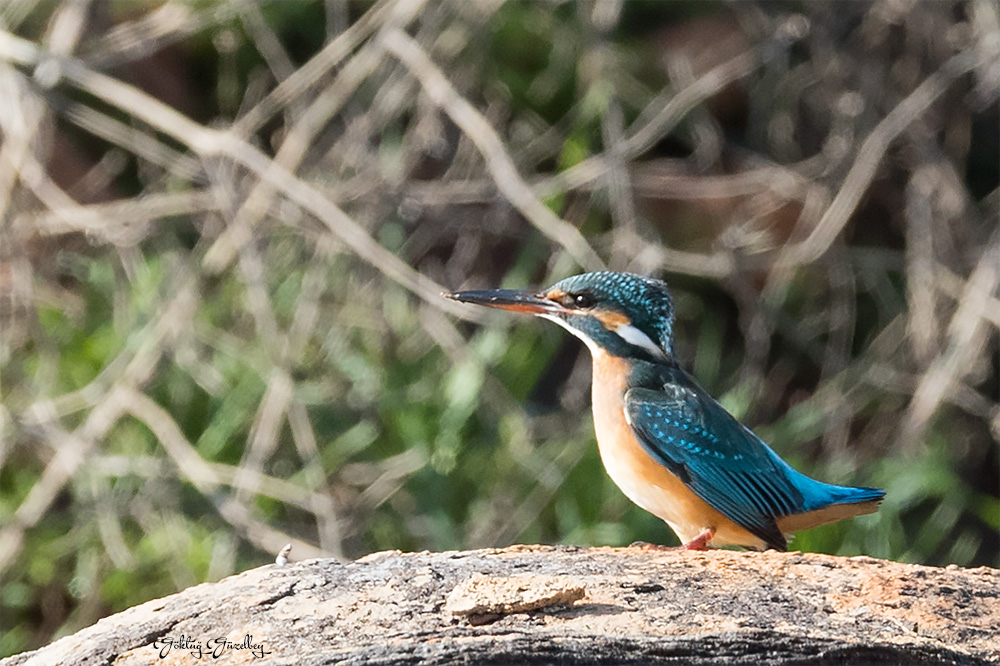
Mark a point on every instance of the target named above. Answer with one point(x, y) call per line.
point(507, 299)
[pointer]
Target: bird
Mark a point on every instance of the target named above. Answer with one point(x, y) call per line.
point(664, 440)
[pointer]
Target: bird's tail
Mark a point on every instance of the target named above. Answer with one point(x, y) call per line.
point(818, 494)
point(827, 503)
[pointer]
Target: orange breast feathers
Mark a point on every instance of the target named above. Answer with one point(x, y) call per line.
point(640, 476)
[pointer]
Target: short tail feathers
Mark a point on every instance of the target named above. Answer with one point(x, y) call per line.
point(826, 503)
point(864, 495)
point(818, 495)
point(831, 494)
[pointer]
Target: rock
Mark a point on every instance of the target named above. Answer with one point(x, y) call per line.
point(540, 604)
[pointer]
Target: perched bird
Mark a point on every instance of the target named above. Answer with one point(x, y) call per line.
point(667, 443)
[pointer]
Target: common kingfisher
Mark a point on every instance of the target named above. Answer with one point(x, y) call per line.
point(668, 444)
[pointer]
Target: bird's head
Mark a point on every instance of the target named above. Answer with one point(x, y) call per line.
point(620, 313)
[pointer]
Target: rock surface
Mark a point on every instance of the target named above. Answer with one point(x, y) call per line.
point(541, 604)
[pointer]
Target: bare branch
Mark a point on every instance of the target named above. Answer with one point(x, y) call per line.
point(499, 163)
point(870, 155)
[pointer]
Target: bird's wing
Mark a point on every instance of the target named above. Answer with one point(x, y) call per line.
point(715, 456)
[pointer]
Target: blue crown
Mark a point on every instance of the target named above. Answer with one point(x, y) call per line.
point(644, 301)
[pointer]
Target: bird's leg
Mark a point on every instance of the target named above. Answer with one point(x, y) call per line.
point(700, 542)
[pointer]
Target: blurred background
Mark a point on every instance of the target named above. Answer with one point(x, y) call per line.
point(225, 228)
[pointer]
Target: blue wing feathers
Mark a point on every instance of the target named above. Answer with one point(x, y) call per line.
point(723, 462)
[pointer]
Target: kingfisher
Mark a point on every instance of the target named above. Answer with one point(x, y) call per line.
point(664, 440)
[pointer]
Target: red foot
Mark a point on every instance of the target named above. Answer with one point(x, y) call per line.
point(700, 542)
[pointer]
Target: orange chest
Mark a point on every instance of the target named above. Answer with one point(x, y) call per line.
point(608, 398)
point(627, 462)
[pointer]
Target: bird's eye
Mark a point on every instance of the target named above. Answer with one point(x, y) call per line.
point(583, 300)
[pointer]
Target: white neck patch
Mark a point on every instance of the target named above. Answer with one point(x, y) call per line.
point(634, 336)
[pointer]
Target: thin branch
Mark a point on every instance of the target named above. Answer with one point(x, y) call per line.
point(664, 113)
point(498, 161)
point(870, 155)
point(71, 452)
point(101, 219)
point(209, 142)
point(965, 343)
point(134, 140)
point(309, 74)
point(205, 478)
